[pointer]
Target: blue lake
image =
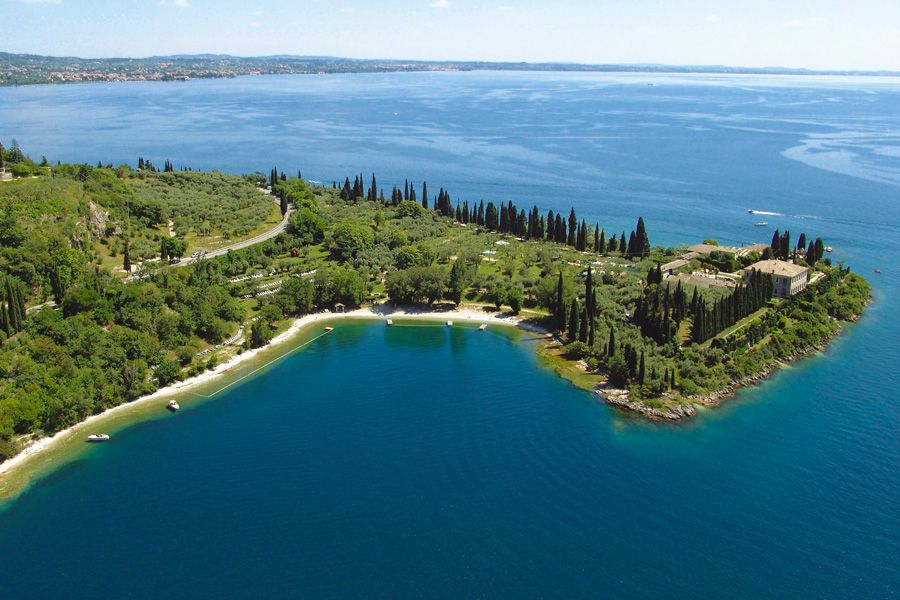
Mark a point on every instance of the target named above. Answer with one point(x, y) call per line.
point(413, 462)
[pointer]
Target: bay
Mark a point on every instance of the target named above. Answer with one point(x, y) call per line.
point(431, 462)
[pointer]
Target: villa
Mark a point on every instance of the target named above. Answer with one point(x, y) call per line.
point(787, 278)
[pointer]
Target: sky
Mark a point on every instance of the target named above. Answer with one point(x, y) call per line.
point(817, 34)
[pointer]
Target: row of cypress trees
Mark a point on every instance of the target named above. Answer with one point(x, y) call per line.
point(12, 304)
point(710, 319)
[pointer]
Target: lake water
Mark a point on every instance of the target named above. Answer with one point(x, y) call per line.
point(413, 462)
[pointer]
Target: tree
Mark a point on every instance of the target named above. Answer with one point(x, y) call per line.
point(460, 277)
point(642, 242)
point(308, 226)
point(349, 238)
point(126, 259)
point(167, 371)
point(514, 297)
point(573, 320)
point(260, 334)
point(560, 311)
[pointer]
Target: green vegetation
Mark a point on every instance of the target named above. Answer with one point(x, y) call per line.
point(103, 339)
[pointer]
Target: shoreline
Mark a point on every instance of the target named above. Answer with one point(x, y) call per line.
point(376, 312)
point(621, 399)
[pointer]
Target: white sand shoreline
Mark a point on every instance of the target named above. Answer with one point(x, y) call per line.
point(377, 312)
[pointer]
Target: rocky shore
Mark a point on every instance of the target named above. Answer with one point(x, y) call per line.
point(687, 408)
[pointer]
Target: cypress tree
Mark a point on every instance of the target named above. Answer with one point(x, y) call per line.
point(424, 194)
point(573, 224)
point(642, 242)
point(642, 369)
point(611, 345)
point(623, 247)
point(583, 327)
point(573, 320)
point(126, 258)
point(560, 304)
point(598, 248)
point(551, 223)
point(602, 244)
point(406, 189)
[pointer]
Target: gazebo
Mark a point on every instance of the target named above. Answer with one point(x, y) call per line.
point(338, 308)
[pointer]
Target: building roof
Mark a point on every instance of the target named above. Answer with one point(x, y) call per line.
point(779, 267)
point(675, 264)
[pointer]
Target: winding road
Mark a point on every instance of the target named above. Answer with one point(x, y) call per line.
point(266, 235)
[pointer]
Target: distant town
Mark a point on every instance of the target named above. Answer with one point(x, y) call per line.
point(29, 69)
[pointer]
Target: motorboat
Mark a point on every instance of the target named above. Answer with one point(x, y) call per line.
point(173, 405)
point(761, 224)
point(98, 437)
point(327, 329)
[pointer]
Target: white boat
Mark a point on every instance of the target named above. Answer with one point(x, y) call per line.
point(761, 224)
point(173, 405)
point(483, 327)
point(329, 329)
point(98, 437)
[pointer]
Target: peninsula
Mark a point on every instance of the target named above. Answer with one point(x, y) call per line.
point(120, 280)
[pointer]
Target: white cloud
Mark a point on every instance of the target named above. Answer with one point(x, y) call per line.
point(257, 13)
point(41, 1)
point(504, 7)
point(347, 9)
point(713, 19)
point(178, 3)
point(441, 4)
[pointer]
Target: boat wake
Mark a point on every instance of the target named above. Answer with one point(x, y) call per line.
point(764, 212)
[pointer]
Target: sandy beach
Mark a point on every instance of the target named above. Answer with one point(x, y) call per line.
point(377, 312)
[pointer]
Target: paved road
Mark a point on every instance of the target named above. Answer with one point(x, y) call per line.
point(266, 235)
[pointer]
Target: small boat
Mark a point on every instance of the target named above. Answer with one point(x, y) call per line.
point(327, 329)
point(483, 327)
point(750, 210)
point(827, 248)
point(761, 224)
point(449, 323)
point(390, 322)
point(98, 437)
point(173, 406)
point(878, 271)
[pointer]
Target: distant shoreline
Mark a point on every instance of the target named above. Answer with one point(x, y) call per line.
point(378, 312)
point(31, 69)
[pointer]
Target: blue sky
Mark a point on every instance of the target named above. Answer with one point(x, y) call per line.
point(839, 34)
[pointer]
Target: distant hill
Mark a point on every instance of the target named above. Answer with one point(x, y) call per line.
point(23, 69)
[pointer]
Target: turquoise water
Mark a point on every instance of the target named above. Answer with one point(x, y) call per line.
point(413, 462)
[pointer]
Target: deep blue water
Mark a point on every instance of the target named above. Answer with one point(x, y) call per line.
point(432, 462)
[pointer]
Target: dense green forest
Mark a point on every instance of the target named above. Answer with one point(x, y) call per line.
point(79, 334)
